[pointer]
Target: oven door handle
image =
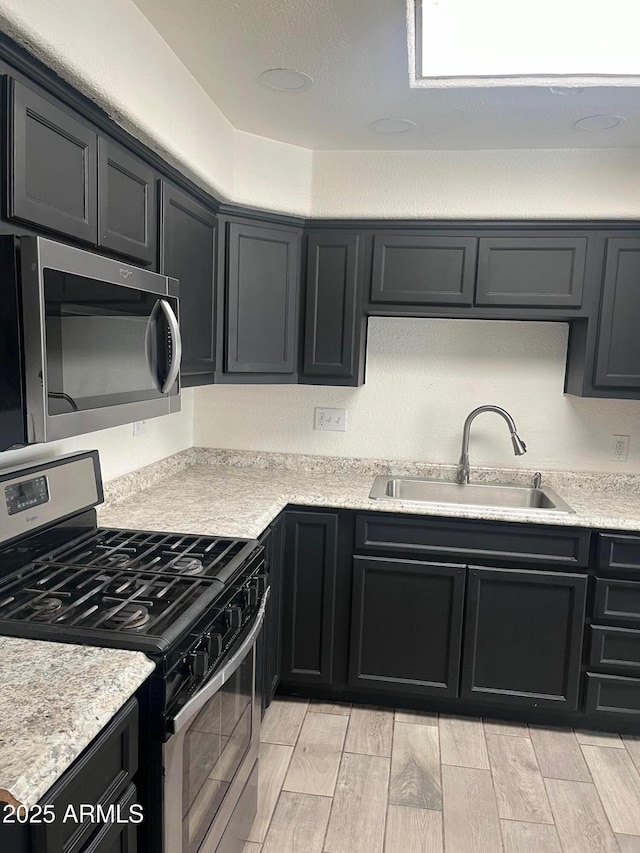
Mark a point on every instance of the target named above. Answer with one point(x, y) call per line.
point(197, 702)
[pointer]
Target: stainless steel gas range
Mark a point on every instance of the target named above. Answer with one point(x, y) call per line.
point(194, 604)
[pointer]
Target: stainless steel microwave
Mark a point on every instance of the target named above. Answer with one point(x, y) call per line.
point(86, 342)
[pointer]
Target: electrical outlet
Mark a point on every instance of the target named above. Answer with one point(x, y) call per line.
point(139, 428)
point(619, 448)
point(331, 419)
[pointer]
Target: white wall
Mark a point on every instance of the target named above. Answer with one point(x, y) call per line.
point(119, 451)
point(423, 378)
point(575, 184)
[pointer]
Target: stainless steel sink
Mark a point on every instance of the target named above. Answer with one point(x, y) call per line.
point(415, 490)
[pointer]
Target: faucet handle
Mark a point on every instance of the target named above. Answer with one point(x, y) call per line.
point(537, 480)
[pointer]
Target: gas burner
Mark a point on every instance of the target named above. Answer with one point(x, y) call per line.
point(117, 561)
point(188, 566)
point(129, 617)
point(46, 608)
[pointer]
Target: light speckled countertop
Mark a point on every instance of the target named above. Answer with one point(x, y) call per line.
point(55, 698)
point(239, 493)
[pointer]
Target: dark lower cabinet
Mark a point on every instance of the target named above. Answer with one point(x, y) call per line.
point(104, 776)
point(260, 301)
point(523, 637)
point(273, 542)
point(53, 182)
point(188, 253)
point(128, 212)
point(308, 602)
point(334, 320)
point(406, 626)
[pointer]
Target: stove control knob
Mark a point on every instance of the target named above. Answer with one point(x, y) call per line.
point(234, 617)
point(261, 584)
point(251, 595)
point(198, 663)
point(214, 645)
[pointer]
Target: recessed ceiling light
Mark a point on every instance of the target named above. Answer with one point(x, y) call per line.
point(393, 125)
point(566, 90)
point(602, 122)
point(286, 80)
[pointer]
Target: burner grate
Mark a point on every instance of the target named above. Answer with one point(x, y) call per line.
point(63, 596)
point(165, 553)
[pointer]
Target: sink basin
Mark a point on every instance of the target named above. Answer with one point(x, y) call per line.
point(415, 490)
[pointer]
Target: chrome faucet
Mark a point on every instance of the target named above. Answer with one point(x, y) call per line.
point(519, 447)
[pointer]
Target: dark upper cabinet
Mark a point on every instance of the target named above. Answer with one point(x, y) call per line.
point(334, 321)
point(523, 637)
point(127, 215)
point(617, 362)
point(188, 253)
point(53, 179)
point(262, 280)
point(308, 603)
point(423, 268)
point(531, 272)
point(604, 350)
point(420, 606)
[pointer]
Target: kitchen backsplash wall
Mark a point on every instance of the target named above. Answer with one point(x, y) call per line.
point(120, 452)
point(423, 378)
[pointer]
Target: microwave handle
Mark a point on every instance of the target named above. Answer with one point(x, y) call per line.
point(176, 340)
point(197, 702)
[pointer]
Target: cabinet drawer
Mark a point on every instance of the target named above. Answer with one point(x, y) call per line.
point(615, 647)
point(612, 694)
point(118, 837)
point(617, 601)
point(619, 555)
point(473, 540)
point(100, 775)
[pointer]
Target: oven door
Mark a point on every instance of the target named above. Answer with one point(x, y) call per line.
point(211, 753)
point(101, 339)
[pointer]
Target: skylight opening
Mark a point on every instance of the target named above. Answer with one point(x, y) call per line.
point(524, 42)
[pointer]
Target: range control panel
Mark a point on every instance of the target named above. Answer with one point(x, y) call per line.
point(25, 495)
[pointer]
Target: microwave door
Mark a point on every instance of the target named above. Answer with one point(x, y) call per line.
point(163, 346)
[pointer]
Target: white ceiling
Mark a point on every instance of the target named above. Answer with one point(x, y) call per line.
point(356, 52)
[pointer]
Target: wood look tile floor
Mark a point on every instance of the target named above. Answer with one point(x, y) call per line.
point(341, 779)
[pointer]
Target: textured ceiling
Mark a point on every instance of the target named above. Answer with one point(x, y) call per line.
point(356, 52)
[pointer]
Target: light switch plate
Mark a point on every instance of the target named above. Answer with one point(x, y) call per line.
point(330, 419)
point(139, 428)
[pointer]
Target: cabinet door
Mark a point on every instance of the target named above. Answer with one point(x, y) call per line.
point(272, 632)
point(532, 272)
point(423, 269)
point(333, 324)
point(523, 637)
point(309, 579)
point(188, 253)
point(55, 157)
point(618, 346)
point(128, 215)
point(406, 626)
point(261, 299)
